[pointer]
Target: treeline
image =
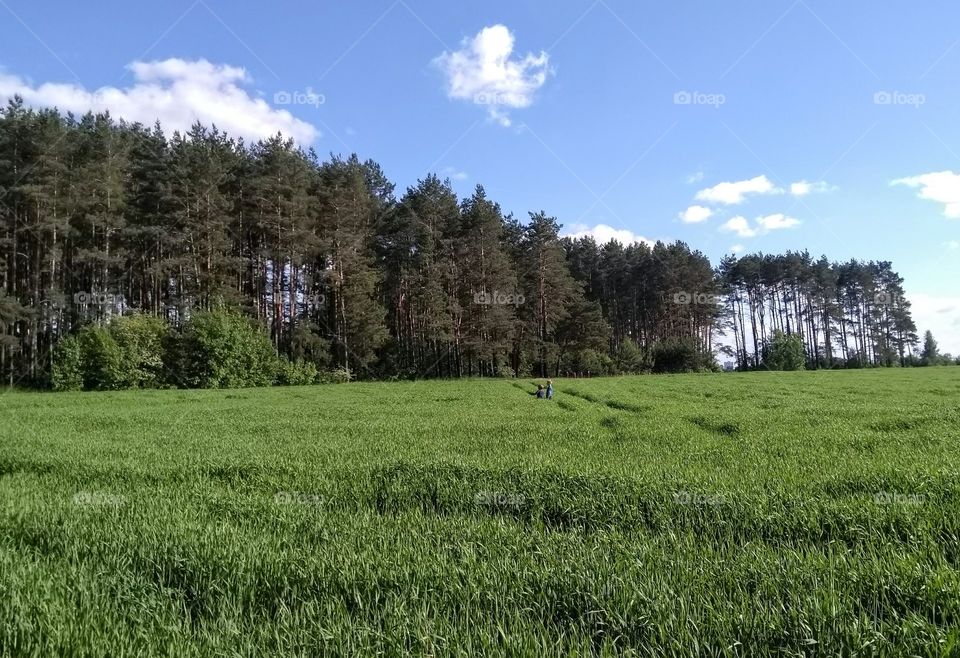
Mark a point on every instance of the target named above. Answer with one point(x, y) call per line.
point(102, 219)
point(854, 314)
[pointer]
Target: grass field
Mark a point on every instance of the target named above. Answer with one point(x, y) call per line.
point(738, 514)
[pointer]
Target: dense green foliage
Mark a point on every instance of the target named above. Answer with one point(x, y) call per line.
point(128, 352)
point(101, 219)
point(741, 514)
point(214, 349)
point(681, 355)
point(225, 350)
point(784, 352)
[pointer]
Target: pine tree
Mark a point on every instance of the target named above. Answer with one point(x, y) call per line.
point(931, 351)
point(549, 290)
point(349, 209)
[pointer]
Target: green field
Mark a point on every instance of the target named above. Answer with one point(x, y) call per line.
point(740, 514)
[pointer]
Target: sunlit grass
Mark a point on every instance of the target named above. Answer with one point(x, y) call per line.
point(737, 514)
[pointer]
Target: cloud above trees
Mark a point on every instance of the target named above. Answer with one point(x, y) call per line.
point(485, 72)
point(176, 92)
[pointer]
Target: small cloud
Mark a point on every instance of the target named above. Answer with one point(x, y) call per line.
point(695, 178)
point(604, 234)
point(803, 188)
point(732, 193)
point(483, 73)
point(952, 244)
point(940, 186)
point(737, 249)
point(777, 222)
point(454, 174)
point(762, 225)
point(739, 225)
point(695, 215)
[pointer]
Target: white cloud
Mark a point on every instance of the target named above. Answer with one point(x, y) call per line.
point(739, 225)
point(803, 188)
point(762, 225)
point(940, 186)
point(733, 193)
point(604, 234)
point(737, 249)
point(952, 244)
point(777, 222)
point(483, 73)
point(454, 174)
point(941, 315)
point(695, 178)
point(176, 92)
point(695, 215)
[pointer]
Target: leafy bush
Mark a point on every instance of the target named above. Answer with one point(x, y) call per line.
point(630, 358)
point(223, 349)
point(296, 373)
point(785, 352)
point(335, 376)
point(143, 340)
point(588, 362)
point(127, 353)
point(67, 372)
point(102, 360)
point(682, 355)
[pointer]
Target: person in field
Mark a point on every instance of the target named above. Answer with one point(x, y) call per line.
point(541, 392)
point(549, 389)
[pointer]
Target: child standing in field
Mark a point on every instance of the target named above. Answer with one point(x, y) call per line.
point(549, 389)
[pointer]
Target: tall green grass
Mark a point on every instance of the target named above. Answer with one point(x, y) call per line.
point(740, 514)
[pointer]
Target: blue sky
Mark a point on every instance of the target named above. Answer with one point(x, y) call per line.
point(776, 125)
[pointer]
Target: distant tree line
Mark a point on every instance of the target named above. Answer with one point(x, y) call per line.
point(101, 219)
point(854, 314)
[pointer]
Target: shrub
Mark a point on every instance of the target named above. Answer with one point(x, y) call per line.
point(686, 354)
point(223, 349)
point(335, 376)
point(67, 372)
point(296, 373)
point(630, 358)
point(143, 340)
point(588, 361)
point(784, 352)
point(102, 360)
